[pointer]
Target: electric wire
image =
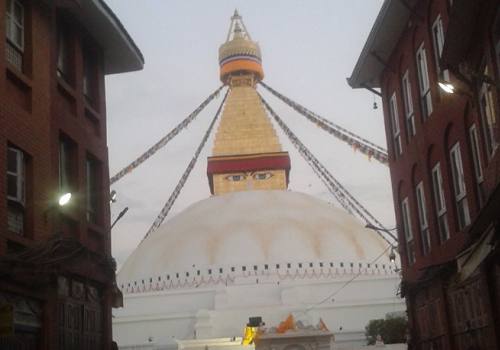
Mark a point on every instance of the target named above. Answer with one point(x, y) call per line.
point(338, 290)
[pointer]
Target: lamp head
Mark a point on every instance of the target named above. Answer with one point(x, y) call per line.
point(447, 87)
point(392, 255)
point(64, 199)
point(112, 196)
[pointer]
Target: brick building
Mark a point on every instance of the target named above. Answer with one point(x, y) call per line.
point(56, 271)
point(444, 161)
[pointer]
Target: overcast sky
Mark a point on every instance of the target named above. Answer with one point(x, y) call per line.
point(308, 49)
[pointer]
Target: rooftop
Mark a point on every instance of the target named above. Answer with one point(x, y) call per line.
point(121, 54)
point(390, 24)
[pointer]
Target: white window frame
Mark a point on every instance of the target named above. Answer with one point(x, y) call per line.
point(64, 165)
point(408, 104)
point(396, 131)
point(440, 203)
point(457, 173)
point(488, 115)
point(438, 41)
point(12, 23)
point(422, 218)
point(90, 174)
point(423, 82)
point(476, 155)
point(476, 159)
point(19, 175)
point(406, 216)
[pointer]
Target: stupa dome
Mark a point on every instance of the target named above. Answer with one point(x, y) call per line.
point(252, 228)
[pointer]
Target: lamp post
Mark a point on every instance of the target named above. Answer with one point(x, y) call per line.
point(123, 212)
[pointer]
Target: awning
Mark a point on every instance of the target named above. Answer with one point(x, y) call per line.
point(470, 259)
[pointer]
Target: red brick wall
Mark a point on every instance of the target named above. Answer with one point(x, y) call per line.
point(35, 108)
point(449, 123)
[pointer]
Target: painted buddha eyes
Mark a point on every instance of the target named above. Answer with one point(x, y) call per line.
point(262, 176)
point(255, 176)
point(238, 177)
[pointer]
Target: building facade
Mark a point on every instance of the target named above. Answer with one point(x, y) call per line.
point(436, 63)
point(57, 274)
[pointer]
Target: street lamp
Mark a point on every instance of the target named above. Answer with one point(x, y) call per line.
point(392, 254)
point(61, 201)
point(447, 87)
point(64, 199)
point(112, 197)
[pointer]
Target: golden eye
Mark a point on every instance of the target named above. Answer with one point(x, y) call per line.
point(262, 176)
point(236, 177)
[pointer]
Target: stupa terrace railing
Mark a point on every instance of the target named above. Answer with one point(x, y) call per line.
point(275, 273)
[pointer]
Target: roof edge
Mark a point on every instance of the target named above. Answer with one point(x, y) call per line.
point(367, 48)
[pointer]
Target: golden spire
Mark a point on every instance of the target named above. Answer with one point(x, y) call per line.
point(239, 52)
point(247, 154)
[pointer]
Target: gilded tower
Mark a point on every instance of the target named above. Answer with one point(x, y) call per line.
point(247, 154)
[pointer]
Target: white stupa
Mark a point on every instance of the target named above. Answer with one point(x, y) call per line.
point(253, 248)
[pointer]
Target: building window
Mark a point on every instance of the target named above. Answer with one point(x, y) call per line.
point(64, 57)
point(408, 104)
point(410, 246)
point(440, 204)
point(16, 180)
point(478, 168)
point(396, 133)
point(457, 172)
point(90, 75)
point(14, 32)
point(92, 189)
point(438, 41)
point(422, 218)
point(423, 82)
point(488, 115)
point(66, 153)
